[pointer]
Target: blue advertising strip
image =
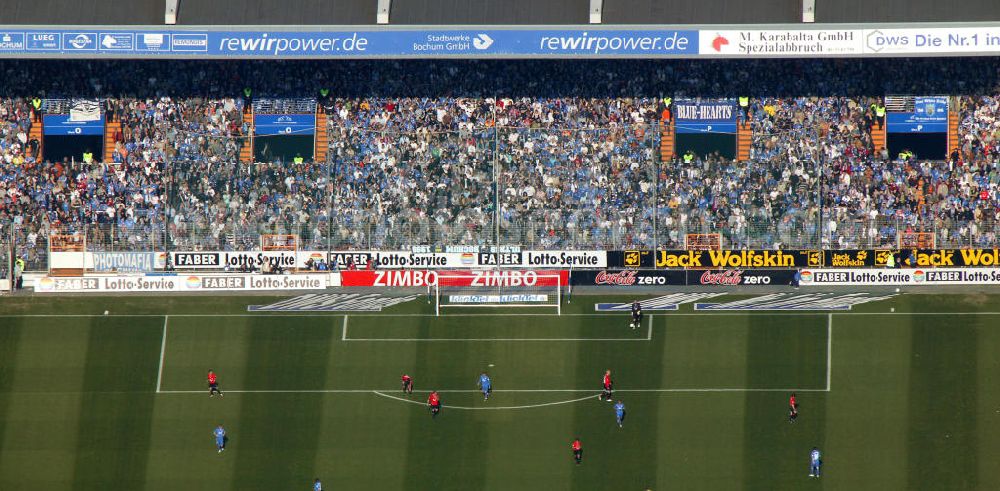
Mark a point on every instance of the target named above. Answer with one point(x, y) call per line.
point(705, 116)
point(59, 124)
point(285, 124)
point(349, 44)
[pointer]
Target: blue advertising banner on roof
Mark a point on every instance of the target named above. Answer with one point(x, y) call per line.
point(62, 124)
point(285, 124)
point(97, 42)
point(705, 115)
point(930, 115)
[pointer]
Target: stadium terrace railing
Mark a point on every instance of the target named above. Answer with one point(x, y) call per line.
point(538, 188)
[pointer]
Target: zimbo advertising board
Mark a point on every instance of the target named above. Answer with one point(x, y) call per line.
point(482, 278)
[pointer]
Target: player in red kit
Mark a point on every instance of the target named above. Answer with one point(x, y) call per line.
point(577, 451)
point(407, 384)
point(607, 393)
point(434, 401)
point(793, 409)
point(213, 384)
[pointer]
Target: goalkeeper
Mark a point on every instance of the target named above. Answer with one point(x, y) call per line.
point(636, 314)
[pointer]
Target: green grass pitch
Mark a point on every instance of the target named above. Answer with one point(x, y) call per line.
point(896, 401)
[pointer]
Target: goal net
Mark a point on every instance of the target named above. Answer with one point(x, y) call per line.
point(506, 289)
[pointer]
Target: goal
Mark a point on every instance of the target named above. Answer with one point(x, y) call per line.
point(505, 289)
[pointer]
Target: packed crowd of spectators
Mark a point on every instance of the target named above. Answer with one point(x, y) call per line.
point(562, 153)
point(117, 206)
point(228, 205)
point(166, 129)
point(15, 123)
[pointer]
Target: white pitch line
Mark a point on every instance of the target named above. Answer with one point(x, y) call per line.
point(163, 351)
point(463, 340)
point(343, 335)
point(494, 408)
point(513, 391)
point(829, 350)
point(609, 314)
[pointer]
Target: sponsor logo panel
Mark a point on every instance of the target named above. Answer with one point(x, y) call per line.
point(713, 277)
point(423, 278)
point(173, 283)
point(900, 277)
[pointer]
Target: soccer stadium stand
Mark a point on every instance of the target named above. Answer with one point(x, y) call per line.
point(542, 154)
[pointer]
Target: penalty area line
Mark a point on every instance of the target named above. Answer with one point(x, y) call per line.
point(506, 340)
point(445, 391)
point(163, 351)
point(829, 350)
point(494, 408)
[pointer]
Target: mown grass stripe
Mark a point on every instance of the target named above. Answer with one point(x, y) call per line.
point(113, 441)
point(942, 399)
point(274, 440)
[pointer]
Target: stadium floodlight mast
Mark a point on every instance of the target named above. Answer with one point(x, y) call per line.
point(493, 288)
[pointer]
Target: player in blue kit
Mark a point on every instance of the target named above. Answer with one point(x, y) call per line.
point(814, 462)
point(220, 438)
point(486, 385)
point(620, 413)
point(317, 486)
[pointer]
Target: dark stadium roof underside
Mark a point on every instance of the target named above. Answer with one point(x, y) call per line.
point(489, 12)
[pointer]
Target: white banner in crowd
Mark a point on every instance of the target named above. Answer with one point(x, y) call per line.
point(900, 277)
point(802, 42)
point(824, 41)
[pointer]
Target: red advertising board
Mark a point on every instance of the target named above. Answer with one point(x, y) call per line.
point(410, 277)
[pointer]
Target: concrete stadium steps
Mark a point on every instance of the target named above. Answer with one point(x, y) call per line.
point(246, 145)
point(36, 132)
point(878, 137)
point(953, 141)
point(322, 143)
point(111, 128)
point(744, 138)
point(667, 144)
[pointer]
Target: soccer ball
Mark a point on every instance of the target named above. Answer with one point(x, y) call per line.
point(105, 312)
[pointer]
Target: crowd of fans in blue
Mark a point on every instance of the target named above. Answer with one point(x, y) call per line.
point(543, 154)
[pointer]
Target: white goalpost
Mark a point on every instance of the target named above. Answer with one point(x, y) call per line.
point(498, 289)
